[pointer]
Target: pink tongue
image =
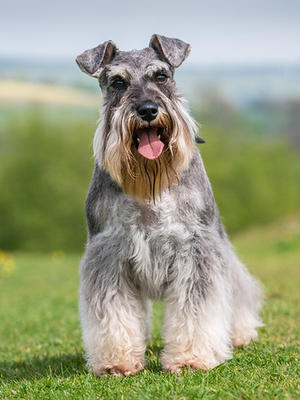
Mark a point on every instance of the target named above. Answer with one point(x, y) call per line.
point(150, 146)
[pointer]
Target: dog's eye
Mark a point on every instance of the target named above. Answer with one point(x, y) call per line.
point(119, 84)
point(161, 78)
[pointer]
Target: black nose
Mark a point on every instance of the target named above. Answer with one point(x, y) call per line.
point(148, 111)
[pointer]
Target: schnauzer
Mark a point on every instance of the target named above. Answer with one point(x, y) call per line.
point(154, 230)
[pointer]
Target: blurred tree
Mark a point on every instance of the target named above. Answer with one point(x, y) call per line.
point(44, 180)
point(46, 166)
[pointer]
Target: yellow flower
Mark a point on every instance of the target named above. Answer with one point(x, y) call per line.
point(58, 256)
point(2, 256)
point(7, 263)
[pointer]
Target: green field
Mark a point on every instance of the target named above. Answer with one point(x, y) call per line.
point(42, 355)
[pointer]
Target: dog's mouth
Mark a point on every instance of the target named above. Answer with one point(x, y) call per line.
point(149, 141)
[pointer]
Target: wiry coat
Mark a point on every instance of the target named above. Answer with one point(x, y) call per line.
point(173, 248)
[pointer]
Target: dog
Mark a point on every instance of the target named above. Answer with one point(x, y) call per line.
point(154, 230)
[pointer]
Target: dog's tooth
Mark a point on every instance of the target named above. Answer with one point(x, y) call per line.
point(158, 136)
point(138, 140)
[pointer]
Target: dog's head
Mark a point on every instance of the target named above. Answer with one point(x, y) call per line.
point(146, 136)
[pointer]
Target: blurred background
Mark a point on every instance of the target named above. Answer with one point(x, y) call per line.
point(242, 81)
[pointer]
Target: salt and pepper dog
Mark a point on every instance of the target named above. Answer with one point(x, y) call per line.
point(154, 230)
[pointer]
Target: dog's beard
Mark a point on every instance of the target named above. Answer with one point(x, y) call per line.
point(140, 177)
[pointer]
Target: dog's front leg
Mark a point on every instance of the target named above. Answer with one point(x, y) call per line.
point(112, 318)
point(197, 322)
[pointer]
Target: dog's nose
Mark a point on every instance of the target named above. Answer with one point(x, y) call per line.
point(148, 111)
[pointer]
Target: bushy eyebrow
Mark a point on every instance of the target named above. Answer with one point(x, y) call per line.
point(117, 70)
point(151, 69)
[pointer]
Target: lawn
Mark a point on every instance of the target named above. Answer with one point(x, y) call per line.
point(41, 354)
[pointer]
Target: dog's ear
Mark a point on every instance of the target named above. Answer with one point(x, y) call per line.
point(174, 51)
point(93, 60)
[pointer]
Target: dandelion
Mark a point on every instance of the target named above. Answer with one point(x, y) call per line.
point(58, 256)
point(7, 263)
point(2, 256)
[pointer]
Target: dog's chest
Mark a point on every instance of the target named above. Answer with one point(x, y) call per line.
point(161, 237)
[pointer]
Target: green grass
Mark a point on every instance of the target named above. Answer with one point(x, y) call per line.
point(41, 354)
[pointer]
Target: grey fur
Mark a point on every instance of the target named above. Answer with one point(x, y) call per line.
point(93, 60)
point(107, 206)
point(175, 249)
point(174, 51)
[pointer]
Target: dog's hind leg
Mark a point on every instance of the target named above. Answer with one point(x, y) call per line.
point(247, 298)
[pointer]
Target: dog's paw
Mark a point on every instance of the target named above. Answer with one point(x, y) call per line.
point(176, 364)
point(122, 369)
point(242, 339)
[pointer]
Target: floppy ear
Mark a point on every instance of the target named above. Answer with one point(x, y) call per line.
point(92, 61)
point(174, 51)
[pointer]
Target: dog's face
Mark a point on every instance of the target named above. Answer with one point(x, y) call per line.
point(145, 138)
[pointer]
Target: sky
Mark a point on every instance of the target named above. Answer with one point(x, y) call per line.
point(220, 31)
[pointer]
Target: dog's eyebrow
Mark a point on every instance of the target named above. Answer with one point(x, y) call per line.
point(117, 70)
point(156, 67)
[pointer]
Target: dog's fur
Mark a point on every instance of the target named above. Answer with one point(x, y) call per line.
point(153, 228)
